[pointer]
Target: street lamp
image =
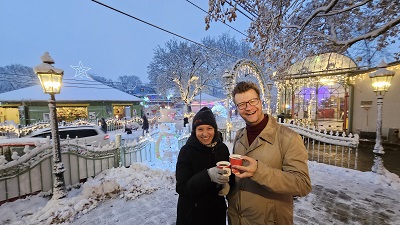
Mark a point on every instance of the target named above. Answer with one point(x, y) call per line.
point(228, 79)
point(269, 88)
point(380, 84)
point(51, 80)
point(169, 97)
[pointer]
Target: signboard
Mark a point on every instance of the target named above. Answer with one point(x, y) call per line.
point(46, 117)
point(366, 104)
point(92, 115)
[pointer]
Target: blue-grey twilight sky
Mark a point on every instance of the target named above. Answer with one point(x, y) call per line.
point(109, 43)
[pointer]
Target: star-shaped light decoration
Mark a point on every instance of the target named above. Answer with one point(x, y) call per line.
point(80, 70)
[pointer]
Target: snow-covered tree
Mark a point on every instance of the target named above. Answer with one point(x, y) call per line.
point(177, 63)
point(128, 82)
point(16, 76)
point(218, 63)
point(102, 80)
point(283, 32)
point(124, 83)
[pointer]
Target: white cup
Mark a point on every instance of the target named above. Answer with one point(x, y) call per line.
point(226, 166)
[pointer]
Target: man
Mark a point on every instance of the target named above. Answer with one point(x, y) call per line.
point(274, 165)
point(145, 125)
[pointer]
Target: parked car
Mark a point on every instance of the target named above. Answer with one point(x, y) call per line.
point(91, 135)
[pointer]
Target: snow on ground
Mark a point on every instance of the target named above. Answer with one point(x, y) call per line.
point(146, 195)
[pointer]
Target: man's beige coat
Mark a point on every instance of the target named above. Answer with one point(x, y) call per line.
point(282, 173)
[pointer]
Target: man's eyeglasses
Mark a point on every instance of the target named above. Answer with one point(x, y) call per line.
point(251, 102)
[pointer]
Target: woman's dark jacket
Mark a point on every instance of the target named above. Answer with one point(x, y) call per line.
point(199, 202)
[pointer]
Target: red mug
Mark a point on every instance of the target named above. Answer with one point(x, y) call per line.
point(236, 159)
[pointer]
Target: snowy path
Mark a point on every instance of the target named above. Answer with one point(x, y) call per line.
point(344, 199)
point(339, 196)
point(154, 209)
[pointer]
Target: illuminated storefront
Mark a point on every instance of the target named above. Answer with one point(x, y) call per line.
point(29, 105)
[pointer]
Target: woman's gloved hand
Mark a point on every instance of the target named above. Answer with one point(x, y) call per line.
point(216, 175)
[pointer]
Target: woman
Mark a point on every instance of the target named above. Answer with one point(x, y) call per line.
point(200, 184)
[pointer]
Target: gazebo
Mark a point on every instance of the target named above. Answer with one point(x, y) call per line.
point(330, 91)
point(316, 90)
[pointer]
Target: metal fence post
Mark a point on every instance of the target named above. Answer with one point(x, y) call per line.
point(119, 154)
point(152, 151)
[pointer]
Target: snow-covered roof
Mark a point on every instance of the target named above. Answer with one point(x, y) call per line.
point(321, 64)
point(78, 90)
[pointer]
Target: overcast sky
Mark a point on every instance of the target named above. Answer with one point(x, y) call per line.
point(108, 42)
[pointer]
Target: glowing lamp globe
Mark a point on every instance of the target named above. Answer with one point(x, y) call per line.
point(49, 76)
point(381, 78)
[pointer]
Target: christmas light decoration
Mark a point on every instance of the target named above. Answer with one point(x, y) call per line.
point(80, 70)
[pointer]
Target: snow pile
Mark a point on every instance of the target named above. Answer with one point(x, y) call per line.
point(126, 183)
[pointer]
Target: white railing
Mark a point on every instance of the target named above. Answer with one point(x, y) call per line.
point(322, 135)
point(326, 147)
point(329, 147)
point(32, 172)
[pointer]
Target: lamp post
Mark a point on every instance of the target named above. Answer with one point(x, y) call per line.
point(269, 88)
point(169, 97)
point(228, 79)
point(51, 80)
point(380, 84)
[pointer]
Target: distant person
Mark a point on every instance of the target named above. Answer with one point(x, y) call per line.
point(128, 128)
point(103, 125)
point(200, 184)
point(185, 121)
point(145, 125)
point(281, 117)
point(274, 167)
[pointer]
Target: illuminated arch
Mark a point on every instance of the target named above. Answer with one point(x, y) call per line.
point(249, 67)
